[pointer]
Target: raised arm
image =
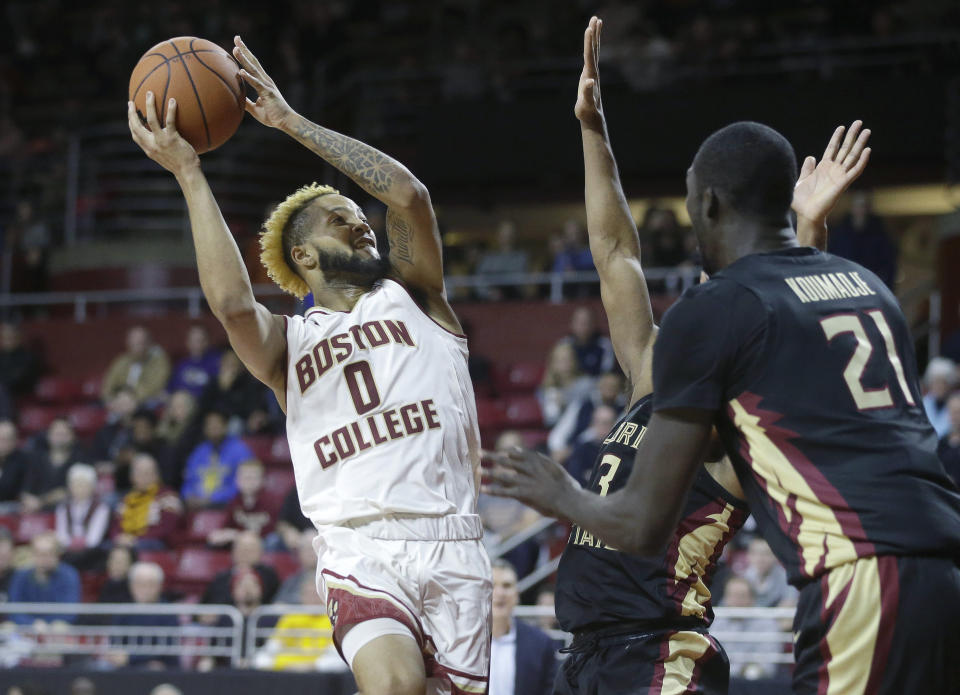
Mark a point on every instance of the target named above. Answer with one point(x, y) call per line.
point(415, 250)
point(822, 183)
point(257, 336)
point(614, 242)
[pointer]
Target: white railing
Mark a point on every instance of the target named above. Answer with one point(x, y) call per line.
point(267, 646)
point(85, 637)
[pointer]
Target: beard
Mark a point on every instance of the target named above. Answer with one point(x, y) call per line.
point(352, 268)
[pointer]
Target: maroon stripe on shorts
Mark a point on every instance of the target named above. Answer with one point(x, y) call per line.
point(889, 603)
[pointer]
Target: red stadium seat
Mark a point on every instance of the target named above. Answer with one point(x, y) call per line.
point(285, 564)
point(279, 452)
point(490, 413)
point(523, 411)
point(87, 419)
point(36, 418)
point(260, 445)
point(90, 387)
point(197, 566)
point(201, 523)
point(10, 522)
point(30, 525)
point(167, 559)
point(56, 390)
point(278, 482)
point(520, 377)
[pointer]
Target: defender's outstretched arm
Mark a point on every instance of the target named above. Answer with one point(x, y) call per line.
point(257, 336)
point(614, 242)
point(415, 249)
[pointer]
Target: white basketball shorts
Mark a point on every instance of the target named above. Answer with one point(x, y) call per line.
point(431, 574)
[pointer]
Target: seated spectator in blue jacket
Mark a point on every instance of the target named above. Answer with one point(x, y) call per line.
point(199, 367)
point(47, 581)
point(210, 476)
point(146, 588)
point(580, 462)
point(522, 657)
point(571, 252)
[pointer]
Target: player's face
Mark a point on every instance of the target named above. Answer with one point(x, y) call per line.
point(702, 225)
point(340, 225)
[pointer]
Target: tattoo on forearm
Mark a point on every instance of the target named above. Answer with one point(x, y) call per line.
point(400, 235)
point(367, 166)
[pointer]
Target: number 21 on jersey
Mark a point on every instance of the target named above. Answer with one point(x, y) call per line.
point(867, 398)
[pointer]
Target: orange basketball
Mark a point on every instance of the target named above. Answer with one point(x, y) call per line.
point(203, 78)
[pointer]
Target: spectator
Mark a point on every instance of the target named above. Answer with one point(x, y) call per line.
point(210, 476)
point(199, 367)
point(246, 594)
point(47, 581)
point(503, 518)
point(546, 598)
point(115, 433)
point(45, 483)
point(247, 555)
point(19, 366)
point(505, 259)
point(571, 253)
point(299, 651)
point(593, 349)
point(290, 590)
point(949, 447)
point(143, 438)
point(6, 563)
point(579, 463)
point(767, 577)
point(146, 588)
point(522, 658)
point(82, 686)
point(562, 384)
point(861, 237)
point(149, 516)
point(116, 588)
point(238, 395)
point(144, 367)
point(177, 417)
point(291, 522)
point(666, 240)
point(577, 416)
point(82, 520)
point(248, 511)
point(738, 593)
point(14, 463)
point(939, 380)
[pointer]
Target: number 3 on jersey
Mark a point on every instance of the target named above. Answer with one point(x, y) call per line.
point(867, 399)
point(607, 478)
point(363, 389)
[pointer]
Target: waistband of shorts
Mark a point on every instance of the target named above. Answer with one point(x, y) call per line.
point(402, 527)
point(603, 635)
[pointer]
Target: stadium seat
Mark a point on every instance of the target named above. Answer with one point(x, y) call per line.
point(10, 522)
point(30, 525)
point(279, 452)
point(534, 438)
point(56, 390)
point(36, 418)
point(285, 564)
point(523, 411)
point(490, 413)
point(90, 387)
point(260, 445)
point(167, 559)
point(197, 567)
point(520, 377)
point(276, 485)
point(87, 419)
point(202, 522)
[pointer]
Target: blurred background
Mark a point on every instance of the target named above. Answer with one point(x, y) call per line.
point(110, 363)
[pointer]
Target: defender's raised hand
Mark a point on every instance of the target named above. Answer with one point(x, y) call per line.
point(531, 478)
point(164, 145)
point(589, 109)
point(270, 108)
point(822, 183)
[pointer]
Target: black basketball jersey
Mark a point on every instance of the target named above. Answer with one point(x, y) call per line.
point(597, 585)
point(808, 361)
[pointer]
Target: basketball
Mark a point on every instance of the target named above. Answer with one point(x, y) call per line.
point(203, 78)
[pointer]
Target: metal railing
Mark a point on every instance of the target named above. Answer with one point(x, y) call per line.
point(268, 646)
point(85, 634)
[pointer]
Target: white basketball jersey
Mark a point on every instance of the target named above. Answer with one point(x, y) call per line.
point(381, 416)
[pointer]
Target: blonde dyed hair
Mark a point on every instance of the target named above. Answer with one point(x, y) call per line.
point(272, 253)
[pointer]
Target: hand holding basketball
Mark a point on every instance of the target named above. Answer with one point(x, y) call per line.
point(164, 145)
point(270, 108)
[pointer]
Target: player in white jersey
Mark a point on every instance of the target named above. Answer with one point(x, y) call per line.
point(380, 410)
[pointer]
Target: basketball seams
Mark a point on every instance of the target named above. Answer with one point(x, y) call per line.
point(166, 61)
point(235, 95)
point(196, 92)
